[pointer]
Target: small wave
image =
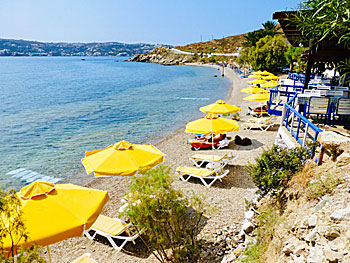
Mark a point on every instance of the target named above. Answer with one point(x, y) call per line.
point(186, 98)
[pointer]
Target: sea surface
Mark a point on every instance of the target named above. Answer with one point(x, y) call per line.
point(53, 109)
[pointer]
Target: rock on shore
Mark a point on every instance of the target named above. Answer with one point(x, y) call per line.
point(164, 56)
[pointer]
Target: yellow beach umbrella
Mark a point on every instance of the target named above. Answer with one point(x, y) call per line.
point(254, 90)
point(271, 77)
point(220, 107)
point(270, 84)
point(258, 97)
point(52, 213)
point(212, 124)
point(265, 73)
point(257, 81)
point(122, 158)
point(255, 76)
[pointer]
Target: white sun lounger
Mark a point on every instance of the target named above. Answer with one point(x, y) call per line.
point(215, 160)
point(260, 123)
point(185, 173)
point(261, 126)
point(111, 228)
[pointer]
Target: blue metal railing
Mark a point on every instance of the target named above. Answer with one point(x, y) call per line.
point(277, 95)
point(291, 115)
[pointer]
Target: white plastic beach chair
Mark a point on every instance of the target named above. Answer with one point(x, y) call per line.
point(185, 173)
point(112, 228)
point(260, 123)
point(215, 160)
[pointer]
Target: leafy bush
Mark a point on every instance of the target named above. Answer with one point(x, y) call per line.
point(171, 221)
point(275, 167)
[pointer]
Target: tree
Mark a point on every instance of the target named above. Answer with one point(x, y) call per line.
point(320, 19)
point(170, 219)
point(12, 226)
point(268, 54)
point(324, 19)
point(251, 39)
point(293, 54)
point(270, 28)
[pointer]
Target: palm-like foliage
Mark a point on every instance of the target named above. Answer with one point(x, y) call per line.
point(321, 19)
point(270, 28)
point(251, 38)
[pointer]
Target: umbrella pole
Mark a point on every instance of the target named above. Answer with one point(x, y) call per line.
point(212, 136)
point(48, 253)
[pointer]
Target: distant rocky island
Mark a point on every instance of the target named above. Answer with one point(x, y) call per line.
point(12, 47)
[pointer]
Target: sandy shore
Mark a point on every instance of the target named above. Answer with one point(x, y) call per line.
point(227, 197)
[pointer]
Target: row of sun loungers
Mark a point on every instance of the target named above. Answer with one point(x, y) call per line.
point(207, 176)
point(114, 229)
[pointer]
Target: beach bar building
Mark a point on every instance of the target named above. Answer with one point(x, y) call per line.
point(311, 107)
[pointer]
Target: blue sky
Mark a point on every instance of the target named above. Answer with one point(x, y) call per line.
point(133, 21)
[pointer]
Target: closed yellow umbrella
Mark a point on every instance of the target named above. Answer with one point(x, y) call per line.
point(123, 159)
point(257, 81)
point(258, 97)
point(212, 124)
point(270, 84)
point(52, 213)
point(254, 90)
point(220, 107)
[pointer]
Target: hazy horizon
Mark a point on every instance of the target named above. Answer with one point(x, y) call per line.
point(137, 21)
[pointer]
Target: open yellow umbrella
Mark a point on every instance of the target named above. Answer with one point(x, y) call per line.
point(265, 73)
point(220, 107)
point(255, 76)
point(258, 97)
point(271, 77)
point(257, 81)
point(254, 90)
point(122, 158)
point(270, 84)
point(212, 124)
point(52, 213)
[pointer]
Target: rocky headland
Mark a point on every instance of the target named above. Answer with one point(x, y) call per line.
point(164, 56)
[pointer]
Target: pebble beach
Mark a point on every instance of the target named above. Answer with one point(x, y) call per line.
point(227, 198)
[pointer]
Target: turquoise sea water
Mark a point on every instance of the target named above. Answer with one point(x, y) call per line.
point(54, 109)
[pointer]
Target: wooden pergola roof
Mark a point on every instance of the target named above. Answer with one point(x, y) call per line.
point(328, 50)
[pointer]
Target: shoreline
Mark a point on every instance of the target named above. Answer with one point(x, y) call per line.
point(83, 179)
point(180, 129)
point(228, 197)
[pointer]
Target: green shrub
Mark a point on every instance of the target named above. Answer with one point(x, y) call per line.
point(322, 185)
point(275, 167)
point(171, 220)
